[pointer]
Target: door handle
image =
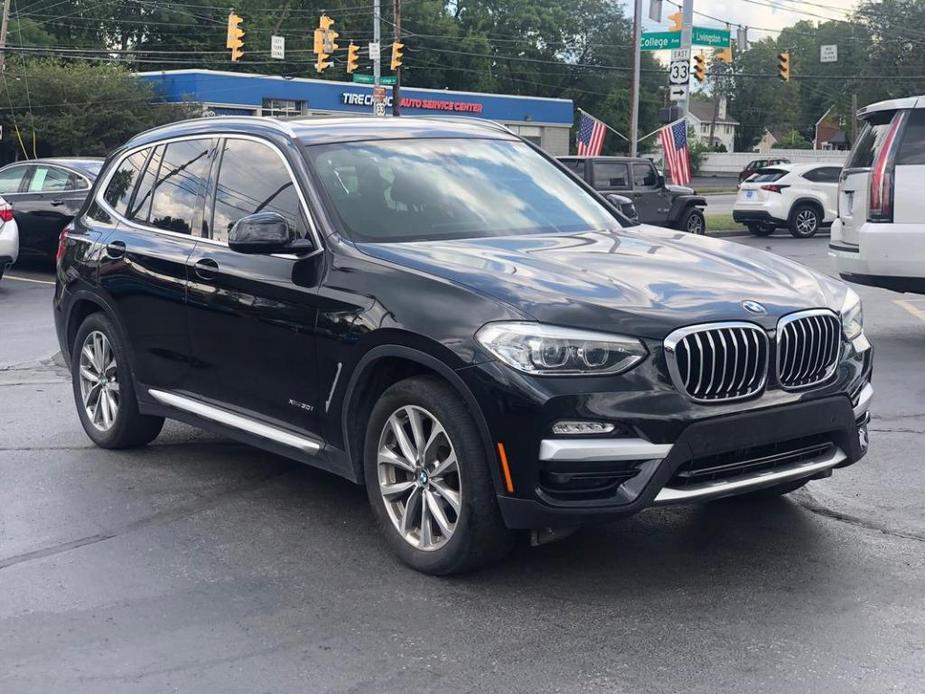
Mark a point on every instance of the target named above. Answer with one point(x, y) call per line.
point(115, 249)
point(206, 269)
point(57, 203)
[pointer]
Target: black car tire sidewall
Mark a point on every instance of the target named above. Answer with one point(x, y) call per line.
point(480, 536)
point(130, 428)
point(685, 221)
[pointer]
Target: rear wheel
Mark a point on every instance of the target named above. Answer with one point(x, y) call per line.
point(428, 481)
point(760, 229)
point(805, 221)
point(103, 389)
point(693, 222)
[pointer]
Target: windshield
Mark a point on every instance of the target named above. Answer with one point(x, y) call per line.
point(870, 140)
point(418, 190)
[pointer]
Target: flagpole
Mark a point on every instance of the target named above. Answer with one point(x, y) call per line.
point(620, 135)
point(645, 137)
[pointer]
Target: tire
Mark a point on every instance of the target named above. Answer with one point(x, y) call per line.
point(693, 222)
point(805, 221)
point(477, 535)
point(110, 417)
point(760, 229)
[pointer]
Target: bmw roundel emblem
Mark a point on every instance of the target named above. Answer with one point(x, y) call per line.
point(754, 307)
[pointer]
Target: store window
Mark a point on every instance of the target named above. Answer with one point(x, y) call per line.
point(282, 108)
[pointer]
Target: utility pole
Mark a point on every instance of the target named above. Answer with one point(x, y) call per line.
point(687, 28)
point(377, 55)
point(714, 69)
point(3, 28)
point(396, 96)
point(637, 48)
point(854, 118)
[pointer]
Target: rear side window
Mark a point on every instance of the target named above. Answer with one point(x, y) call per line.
point(610, 175)
point(177, 193)
point(577, 166)
point(11, 178)
point(51, 179)
point(767, 175)
point(252, 179)
point(644, 176)
point(824, 174)
point(912, 150)
point(123, 181)
point(870, 140)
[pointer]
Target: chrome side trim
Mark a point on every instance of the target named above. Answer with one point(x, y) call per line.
point(237, 421)
point(864, 399)
point(327, 403)
point(747, 483)
point(592, 450)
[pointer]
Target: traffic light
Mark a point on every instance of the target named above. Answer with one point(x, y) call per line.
point(676, 19)
point(783, 66)
point(700, 68)
point(325, 23)
point(318, 44)
point(322, 63)
point(235, 37)
point(353, 57)
point(725, 55)
point(398, 50)
point(323, 43)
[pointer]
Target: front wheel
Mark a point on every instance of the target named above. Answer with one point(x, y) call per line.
point(428, 480)
point(805, 222)
point(693, 222)
point(103, 389)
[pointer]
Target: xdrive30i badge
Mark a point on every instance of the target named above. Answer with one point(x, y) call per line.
point(754, 307)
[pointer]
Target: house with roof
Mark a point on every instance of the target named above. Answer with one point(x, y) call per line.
point(700, 116)
point(830, 135)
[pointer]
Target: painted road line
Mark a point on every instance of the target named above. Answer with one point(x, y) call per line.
point(27, 279)
point(917, 311)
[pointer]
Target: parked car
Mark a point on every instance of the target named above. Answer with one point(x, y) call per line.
point(656, 202)
point(878, 238)
point(9, 237)
point(46, 194)
point(438, 311)
point(801, 197)
point(756, 164)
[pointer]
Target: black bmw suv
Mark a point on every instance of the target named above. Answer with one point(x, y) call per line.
point(438, 310)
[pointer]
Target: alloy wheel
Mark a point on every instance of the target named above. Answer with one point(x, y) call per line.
point(806, 222)
point(419, 477)
point(695, 224)
point(99, 381)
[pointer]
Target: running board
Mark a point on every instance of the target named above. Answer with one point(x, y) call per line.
point(232, 419)
point(747, 483)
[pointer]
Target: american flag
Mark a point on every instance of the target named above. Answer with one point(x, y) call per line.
point(590, 136)
point(674, 143)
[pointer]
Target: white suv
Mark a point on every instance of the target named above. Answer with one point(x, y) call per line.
point(9, 237)
point(878, 238)
point(801, 197)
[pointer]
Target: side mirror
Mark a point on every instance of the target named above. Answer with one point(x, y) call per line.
point(264, 232)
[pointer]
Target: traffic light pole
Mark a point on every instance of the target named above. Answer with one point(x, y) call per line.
point(637, 59)
point(396, 96)
point(377, 68)
point(687, 28)
point(3, 28)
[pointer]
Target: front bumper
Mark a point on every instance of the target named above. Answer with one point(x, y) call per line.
point(665, 447)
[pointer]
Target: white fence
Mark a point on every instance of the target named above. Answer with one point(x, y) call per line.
point(731, 163)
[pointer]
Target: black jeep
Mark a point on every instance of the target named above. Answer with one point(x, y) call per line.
point(656, 202)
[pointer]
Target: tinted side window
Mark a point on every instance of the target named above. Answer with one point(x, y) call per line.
point(644, 176)
point(11, 178)
point(912, 150)
point(610, 175)
point(870, 140)
point(813, 175)
point(49, 179)
point(767, 175)
point(141, 201)
point(180, 184)
point(252, 178)
point(577, 166)
point(123, 181)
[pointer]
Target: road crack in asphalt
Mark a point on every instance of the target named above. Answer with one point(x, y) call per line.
point(198, 505)
point(814, 505)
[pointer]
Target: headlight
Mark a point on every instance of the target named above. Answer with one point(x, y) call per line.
point(550, 350)
point(852, 316)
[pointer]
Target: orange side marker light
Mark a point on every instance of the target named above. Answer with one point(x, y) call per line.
point(508, 483)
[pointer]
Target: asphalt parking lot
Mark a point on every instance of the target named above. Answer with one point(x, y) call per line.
point(201, 565)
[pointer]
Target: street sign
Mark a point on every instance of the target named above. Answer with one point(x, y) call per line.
point(681, 54)
point(679, 72)
point(678, 92)
point(380, 109)
point(828, 53)
point(373, 50)
point(387, 80)
point(655, 10)
point(660, 40)
point(716, 38)
point(278, 47)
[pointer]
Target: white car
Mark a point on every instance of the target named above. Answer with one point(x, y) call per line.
point(800, 197)
point(9, 237)
point(878, 238)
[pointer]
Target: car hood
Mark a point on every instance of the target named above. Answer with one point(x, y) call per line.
point(643, 280)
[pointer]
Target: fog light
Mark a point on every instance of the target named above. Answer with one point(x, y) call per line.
point(572, 428)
